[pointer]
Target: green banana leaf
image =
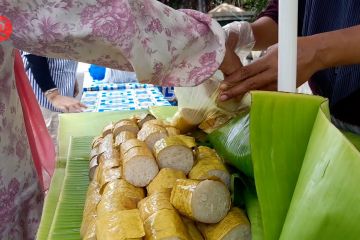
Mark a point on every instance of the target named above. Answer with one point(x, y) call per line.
point(254, 213)
point(232, 142)
point(326, 200)
point(305, 170)
point(77, 125)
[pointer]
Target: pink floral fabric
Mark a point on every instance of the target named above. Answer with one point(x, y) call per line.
point(21, 198)
point(164, 47)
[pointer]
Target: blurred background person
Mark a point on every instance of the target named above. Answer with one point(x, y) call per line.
point(55, 86)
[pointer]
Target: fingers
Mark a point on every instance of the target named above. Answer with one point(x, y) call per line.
point(243, 73)
point(263, 80)
point(71, 107)
point(76, 108)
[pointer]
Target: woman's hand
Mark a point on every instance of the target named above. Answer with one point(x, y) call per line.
point(65, 104)
point(262, 74)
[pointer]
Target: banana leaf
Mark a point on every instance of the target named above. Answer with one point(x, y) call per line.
point(232, 142)
point(254, 213)
point(74, 125)
point(305, 170)
point(326, 200)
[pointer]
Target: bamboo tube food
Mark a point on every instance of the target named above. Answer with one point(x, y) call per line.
point(92, 168)
point(119, 195)
point(106, 144)
point(161, 220)
point(89, 215)
point(125, 125)
point(193, 231)
point(205, 201)
point(139, 165)
point(151, 132)
point(235, 226)
point(154, 203)
point(144, 119)
point(165, 180)
point(123, 137)
point(209, 166)
point(96, 141)
point(175, 152)
point(108, 175)
point(107, 129)
point(120, 225)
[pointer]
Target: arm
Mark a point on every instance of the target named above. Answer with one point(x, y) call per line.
point(40, 69)
point(265, 31)
point(315, 53)
point(337, 48)
point(162, 45)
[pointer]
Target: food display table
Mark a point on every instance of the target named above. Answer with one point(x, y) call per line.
point(302, 171)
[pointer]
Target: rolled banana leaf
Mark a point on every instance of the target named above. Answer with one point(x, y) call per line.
point(280, 129)
point(305, 170)
point(326, 199)
point(232, 143)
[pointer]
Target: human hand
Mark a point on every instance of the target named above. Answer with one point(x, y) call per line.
point(231, 61)
point(262, 74)
point(65, 104)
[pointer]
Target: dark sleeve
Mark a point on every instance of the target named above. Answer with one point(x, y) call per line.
point(271, 11)
point(40, 69)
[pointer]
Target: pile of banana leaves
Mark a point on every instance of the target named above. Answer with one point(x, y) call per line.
point(300, 175)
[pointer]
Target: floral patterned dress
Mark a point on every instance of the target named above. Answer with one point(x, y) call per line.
point(164, 47)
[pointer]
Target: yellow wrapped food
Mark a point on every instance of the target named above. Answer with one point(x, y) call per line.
point(187, 119)
point(96, 141)
point(125, 125)
point(214, 120)
point(92, 168)
point(90, 232)
point(139, 165)
point(150, 133)
point(165, 224)
point(209, 166)
point(154, 203)
point(89, 214)
point(205, 201)
point(107, 129)
point(110, 159)
point(235, 226)
point(123, 137)
point(130, 144)
point(109, 175)
point(120, 225)
point(119, 195)
point(106, 144)
point(193, 232)
point(144, 118)
point(165, 180)
point(156, 122)
point(94, 152)
point(175, 152)
point(172, 131)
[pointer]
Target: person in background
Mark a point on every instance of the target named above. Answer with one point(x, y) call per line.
point(55, 86)
point(328, 56)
